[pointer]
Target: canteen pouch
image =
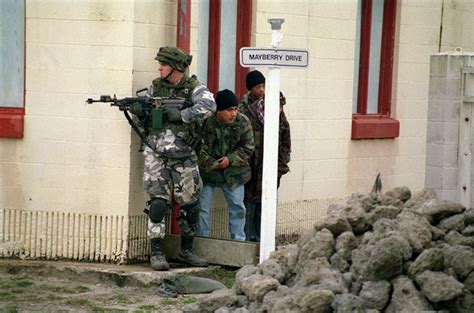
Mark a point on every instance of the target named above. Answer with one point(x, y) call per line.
point(157, 118)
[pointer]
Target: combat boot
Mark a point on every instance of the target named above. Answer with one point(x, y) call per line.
point(157, 258)
point(187, 254)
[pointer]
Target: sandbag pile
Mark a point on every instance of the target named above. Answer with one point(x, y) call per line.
point(378, 253)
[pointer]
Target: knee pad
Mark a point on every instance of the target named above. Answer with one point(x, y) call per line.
point(156, 230)
point(158, 209)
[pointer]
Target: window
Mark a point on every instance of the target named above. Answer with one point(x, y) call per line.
point(12, 68)
point(375, 37)
point(224, 27)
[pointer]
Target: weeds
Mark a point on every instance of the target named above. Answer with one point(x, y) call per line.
point(145, 308)
point(80, 302)
point(24, 283)
point(189, 300)
point(121, 298)
point(225, 275)
point(169, 302)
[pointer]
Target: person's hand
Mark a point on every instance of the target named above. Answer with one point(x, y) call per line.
point(223, 163)
point(187, 104)
point(172, 114)
point(136, 108)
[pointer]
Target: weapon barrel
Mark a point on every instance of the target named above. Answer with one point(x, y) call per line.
point(173, 103)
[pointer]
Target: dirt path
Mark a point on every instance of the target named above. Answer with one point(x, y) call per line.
point(26, 293)
point(27, 290)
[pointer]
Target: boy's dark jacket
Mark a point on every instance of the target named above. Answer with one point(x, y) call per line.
point(232, 140)
point(253, 188)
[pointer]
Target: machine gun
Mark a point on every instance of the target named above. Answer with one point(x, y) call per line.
point(152, 108)
point(148, 103)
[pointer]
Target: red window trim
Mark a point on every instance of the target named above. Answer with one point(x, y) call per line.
point(214, 45)
point(11, 122)
point(12, 119)
point(244, 36)
point(374, 126)
point(381, 125)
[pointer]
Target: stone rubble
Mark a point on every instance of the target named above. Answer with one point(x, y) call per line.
point(390, 252)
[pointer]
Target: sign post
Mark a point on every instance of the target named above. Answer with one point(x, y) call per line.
point(274, 58)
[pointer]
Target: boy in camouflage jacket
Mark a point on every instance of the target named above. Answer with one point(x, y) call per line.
point(227, 144)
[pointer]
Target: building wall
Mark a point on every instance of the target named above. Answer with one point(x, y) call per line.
point(81, 162)
point(71, 183)
point(326, 164)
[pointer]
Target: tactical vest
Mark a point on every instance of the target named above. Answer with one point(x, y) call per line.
point(162, 88)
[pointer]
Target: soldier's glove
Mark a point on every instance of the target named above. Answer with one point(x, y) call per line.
point(187, 104)
point(136, 108)
point(172, 114)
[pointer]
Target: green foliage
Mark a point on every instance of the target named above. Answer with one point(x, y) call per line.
point(145, 308)
point(80, 302)
point(169, 302)
point(13, 309)
point(24, 283)
point(80, 288)
point(120, 297)
point(189, 300)
point(54, 298)
point(6, 284)
point(225, 275)
point(7, 296)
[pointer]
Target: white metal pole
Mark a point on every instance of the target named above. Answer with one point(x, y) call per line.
point(270, 148)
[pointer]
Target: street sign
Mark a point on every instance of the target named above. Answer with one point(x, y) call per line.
point(273, 57)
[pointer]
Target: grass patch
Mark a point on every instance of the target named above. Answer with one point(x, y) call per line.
point(225, 275)
point(24, 283)
point(80, 288)
point(4, 284)
point(169, 302)
point(189, 300)
point(80, 302)
point(59, 289)
point(30, 297)
point(54, 298)
point(149, 307)
point(120, 297)
point(13, 309)
point(99, 309)
point(7, 296)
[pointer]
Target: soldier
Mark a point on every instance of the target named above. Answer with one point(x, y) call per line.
point(171, 170)
point(254, 109)
point(227, 144)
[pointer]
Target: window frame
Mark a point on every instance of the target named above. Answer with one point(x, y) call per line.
point(381, 124)
point(243, 39)
point(12, 118)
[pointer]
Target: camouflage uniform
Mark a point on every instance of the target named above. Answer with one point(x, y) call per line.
point(171, 171)
point(235, 141)
point(253, 188)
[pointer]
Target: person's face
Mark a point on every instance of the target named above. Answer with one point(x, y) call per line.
point(227, 116)
point(257, 91)
point(164, 70)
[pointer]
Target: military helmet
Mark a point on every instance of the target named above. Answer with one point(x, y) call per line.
point(174, 57)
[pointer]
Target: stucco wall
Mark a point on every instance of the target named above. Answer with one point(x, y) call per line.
point(80, 162)
point(83, 160)
point(325, 162)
